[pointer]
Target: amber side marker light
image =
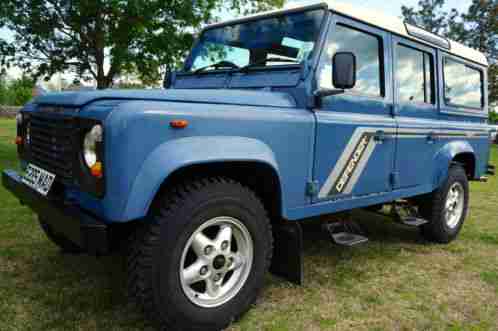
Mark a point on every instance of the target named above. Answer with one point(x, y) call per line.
point(18, 140)
point(178, 124)
point(96, 170)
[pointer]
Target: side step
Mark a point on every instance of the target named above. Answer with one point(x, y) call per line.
point(406, 214)
point(413, 221)
point(490, 170)
point(348, 239)
point(342, 233)
point(483, 179)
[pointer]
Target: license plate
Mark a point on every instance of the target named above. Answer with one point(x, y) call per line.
point(38, 179)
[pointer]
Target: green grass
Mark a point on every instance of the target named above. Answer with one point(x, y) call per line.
point(395, 282)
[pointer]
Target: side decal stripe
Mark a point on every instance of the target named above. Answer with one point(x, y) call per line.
point(355, 156)
point(361, 166)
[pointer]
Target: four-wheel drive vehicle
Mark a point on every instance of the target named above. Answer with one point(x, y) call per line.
point(275, 118)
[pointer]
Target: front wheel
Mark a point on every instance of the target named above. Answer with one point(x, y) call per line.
point(446, 208)
point(202, 262)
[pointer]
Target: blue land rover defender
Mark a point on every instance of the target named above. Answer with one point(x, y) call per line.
point(274, 118)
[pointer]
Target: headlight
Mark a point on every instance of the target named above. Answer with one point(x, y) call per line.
point(19, 119)
point(92, 138)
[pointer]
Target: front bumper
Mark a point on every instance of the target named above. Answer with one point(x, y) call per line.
point(68, 220)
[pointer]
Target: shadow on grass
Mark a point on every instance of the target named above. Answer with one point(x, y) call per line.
point(378, 229)
point(71, 288)
point(68, 291)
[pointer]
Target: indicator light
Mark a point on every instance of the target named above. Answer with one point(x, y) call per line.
point(178, 124)
point(96, 170)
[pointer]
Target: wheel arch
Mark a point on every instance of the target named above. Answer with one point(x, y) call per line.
point(468, 161)
point(258, 176)
point(249, 161)
point(459, 152)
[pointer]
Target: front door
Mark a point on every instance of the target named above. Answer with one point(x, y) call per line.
point(356, 132)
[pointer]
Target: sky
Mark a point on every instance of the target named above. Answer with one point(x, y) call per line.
point(389, 7)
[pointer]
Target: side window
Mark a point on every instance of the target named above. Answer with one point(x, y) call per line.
point(367, 49)
point(462, 85)
point(414, 74)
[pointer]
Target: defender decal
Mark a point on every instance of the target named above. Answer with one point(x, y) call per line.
point(352, 164)
point(353, 160)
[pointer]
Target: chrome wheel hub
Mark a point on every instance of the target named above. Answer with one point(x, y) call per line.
point(454, 205)
point(216, 262)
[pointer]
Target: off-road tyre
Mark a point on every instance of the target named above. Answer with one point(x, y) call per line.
point(433, 208)
point(156, 248)
point(65, 245)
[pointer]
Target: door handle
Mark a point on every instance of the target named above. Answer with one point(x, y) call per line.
point(432, 137)
point(380, 136)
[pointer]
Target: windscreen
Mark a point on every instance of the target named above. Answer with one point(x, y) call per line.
point(282, 40)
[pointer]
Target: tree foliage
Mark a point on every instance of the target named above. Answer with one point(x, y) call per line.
point(430, 16)
point(493, 117)
point(477, 28)
point(100, 39)
point(16, 92)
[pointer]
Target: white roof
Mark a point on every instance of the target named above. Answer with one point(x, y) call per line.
point(397, 25)
point(378, 19)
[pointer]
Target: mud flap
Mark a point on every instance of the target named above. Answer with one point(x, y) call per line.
point(288, 258)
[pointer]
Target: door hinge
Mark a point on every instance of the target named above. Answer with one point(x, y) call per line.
point(394, 179)
point(312, 188)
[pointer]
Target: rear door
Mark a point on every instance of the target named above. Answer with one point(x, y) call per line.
point(416, 113)
point(355, 139)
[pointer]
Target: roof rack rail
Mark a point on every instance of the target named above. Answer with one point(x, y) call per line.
point(425, 35)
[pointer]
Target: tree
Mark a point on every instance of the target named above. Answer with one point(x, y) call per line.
point(16, 92)
point(481, 32)
point(429, 15)
point(99, 39)
point(493, 83)
point(478, 28)
point(3, 89)
point(493, 117)
point(21, 91)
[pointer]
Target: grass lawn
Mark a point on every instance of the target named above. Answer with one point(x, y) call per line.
point(395, 282)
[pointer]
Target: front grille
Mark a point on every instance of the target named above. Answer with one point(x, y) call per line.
point(51, 144)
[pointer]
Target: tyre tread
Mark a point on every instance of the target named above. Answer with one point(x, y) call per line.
point(432, 205)
point(145, 240)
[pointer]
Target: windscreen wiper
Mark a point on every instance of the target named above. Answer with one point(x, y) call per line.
point(218, 65)
point(264, 61)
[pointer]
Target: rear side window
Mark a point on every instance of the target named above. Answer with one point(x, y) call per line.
point(414, 74)
point(367, 49)
point(462, 85)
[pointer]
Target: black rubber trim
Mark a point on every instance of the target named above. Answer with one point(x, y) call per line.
point(70, 221)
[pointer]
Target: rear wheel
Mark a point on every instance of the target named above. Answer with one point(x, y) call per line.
point(66, 245)
point(201, 263)
point(446, 208)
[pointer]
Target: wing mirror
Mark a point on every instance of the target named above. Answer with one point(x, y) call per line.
point(344, 70)
point(343, 74)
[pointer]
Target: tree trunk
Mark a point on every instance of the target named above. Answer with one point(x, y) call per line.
point(102, 83)
point(105, 81)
